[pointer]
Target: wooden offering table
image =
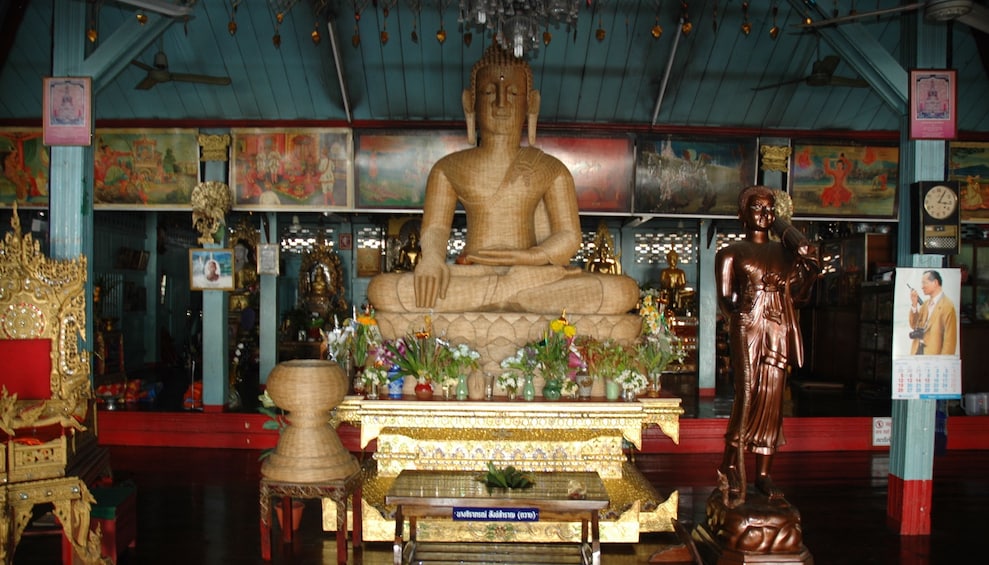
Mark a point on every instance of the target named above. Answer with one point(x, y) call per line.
point(535, 437)
point(463, 496)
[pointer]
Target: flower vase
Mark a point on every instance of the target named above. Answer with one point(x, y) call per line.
point(462, 390)
point(629, 395)
point(424, 391)
point(552, 390)
point(511, 393)
point(655, 379)
point(360, 388)
point(585, 383)
point(396, 383)
point(612, 390)
point(371, 391)
point(529, 389)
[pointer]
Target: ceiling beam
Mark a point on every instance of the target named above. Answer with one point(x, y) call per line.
point(114, 54)
point(866, 55)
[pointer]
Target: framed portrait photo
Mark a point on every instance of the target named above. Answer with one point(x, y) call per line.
point(67, 111)
point(268, 258)
point(211, 269)
point(933, 98)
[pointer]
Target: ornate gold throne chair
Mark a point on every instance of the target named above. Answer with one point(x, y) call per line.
point(47, 417)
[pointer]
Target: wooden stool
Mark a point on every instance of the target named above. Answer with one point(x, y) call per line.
point(337, 491)
point(115, 512)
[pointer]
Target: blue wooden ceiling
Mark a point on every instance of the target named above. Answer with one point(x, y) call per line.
point(615, 82)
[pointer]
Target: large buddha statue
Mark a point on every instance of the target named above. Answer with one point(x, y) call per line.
point(522, 218)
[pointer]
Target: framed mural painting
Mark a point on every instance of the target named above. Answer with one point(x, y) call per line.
point(145, 168)
point(67, 110)
point(304, 169)
point(24, 158)
point(682, 175)
point(211, 269)
point(933, 97)
point(968, 162)
point(602, 168)
point(392, 167)
point(844, 181)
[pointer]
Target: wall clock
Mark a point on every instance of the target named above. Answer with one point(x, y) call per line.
point(935, 226)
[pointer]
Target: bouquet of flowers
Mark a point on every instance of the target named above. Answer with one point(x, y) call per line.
point(421, 355)
point(658, 346)
point(339, 340)
point(556, 351)
point(519, 367)
point(366, 337)
point(511, 382)
point(605, 359)
point(463, 360)
point(632, 380)
point(375, 376)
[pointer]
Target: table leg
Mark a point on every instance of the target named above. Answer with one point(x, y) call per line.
point(288, 521)
point(399, 526)
point(342, 529)
point(265, 508)
point(596, 539)
point(357, 505)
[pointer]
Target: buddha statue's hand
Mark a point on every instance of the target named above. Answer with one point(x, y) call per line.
point(509, 257)
point(431, 280)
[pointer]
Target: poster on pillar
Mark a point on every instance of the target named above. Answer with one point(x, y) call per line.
point(926, 356)
point(67, 111)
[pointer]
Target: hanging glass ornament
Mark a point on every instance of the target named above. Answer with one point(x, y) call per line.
point(276, 39)
point(600, 33)
point(775, 30)
point(316, 38)
point(657, 30)
point(142, 18)
point(468, 38)
point(232, 27)
point(746, 26)
point(547, 37)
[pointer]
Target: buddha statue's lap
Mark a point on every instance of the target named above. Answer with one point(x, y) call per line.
point(543, 289)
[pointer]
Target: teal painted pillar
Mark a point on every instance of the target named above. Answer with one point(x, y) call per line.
point(911, 465)
point(268, 314)
point(707, 312)
point(216, 346)
point(70, 177)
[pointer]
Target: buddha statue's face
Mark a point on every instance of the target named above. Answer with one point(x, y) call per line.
point(500, 102)
point(758, 212)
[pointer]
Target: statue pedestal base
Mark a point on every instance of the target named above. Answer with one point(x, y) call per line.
point(498, 335)
point(757, 531)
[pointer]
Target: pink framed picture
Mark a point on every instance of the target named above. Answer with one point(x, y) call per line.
point(67, 113)
point(933, 104)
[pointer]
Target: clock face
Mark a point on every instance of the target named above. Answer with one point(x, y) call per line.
point(940, 202)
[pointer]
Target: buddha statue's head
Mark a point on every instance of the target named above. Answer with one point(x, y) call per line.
point(500, 95)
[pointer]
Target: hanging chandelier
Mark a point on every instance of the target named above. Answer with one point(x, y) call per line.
point(520, 26)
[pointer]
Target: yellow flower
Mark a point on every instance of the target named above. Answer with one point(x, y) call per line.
point(557, 325)
point(367, 321)
point(569, 330)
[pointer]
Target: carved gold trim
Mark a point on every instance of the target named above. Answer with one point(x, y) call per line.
point(775, 158)
point(71, 502)
point(536, 436)
point(210, 201)
point(43, 298)
point(214, 147)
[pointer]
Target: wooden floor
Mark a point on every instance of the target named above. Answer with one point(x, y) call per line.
point(199, 506)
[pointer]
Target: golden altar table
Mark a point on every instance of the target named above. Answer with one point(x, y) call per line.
point(533, 436)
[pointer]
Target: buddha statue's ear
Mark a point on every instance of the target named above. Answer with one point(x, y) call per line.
point(467, 98)
point(533, 113)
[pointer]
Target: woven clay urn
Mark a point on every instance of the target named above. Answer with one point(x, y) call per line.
point(309, 449)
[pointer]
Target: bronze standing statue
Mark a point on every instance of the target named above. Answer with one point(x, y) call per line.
point(760, 282)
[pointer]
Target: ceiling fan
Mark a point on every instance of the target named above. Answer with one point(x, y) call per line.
point(158, 73)
point(964, 11)
point(822, 74)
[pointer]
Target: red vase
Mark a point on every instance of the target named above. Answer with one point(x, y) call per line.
point(424, 391)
